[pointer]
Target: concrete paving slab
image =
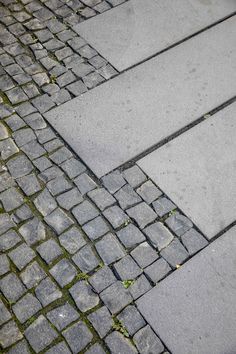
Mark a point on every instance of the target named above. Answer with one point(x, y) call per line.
point(121, 118)
point(136, 30)
point(197, 171)
point(194, 310)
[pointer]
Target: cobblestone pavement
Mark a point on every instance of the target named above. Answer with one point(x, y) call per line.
point(76, 252)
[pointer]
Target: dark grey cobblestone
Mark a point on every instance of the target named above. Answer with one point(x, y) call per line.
point(70, 222)
point(40, 334)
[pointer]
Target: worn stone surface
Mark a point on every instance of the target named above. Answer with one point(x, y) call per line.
point(9, 334)
point(158, 235)
point(127, 268)
point(63, 272)
point(26, 307)
point(130, 236)
point(62, 316)
point(147, 341)
point(77, 336)
point(96, 228)
point(116, 297)
point(101, 320)
point(103, 278)
point(11, 287)
point(86, 259)
point(206, 281)
point(131, 103)
point(131, 319)
point(118, 343)
point(125, 36)
point(84, 296)
point(40, 334)
point(197, 182)
point(72, 240)
point(144, 254)
point(109, 249)
point(47, 292)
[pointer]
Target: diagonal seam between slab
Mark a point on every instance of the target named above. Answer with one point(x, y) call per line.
point(120, 119)
point(197, 170)
point(138, 30)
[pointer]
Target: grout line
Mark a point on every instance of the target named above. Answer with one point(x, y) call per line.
point(179, 132)
point(179, 42)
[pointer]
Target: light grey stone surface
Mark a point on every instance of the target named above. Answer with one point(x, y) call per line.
point(138, 29)
point(193, 169)
point(151, 101)
point(193, 310)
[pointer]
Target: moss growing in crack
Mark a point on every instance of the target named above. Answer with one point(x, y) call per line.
point(127, 283)
point(53, 79)
point(82, 276)
point(118, 326)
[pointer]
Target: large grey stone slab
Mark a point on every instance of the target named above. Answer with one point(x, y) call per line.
point(197, 171)
point(114, 122)
point(139, 29)
point(194, 310)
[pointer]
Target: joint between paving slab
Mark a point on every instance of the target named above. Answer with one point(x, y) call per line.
point(179, 42)
point(176, 134)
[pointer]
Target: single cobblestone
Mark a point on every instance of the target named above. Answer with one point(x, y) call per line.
point(131, 319)
point(109, 249)
point(47, 292)
point(33, 231)
point(130, 236)
point(86, 260)
point(26, 307)
point(78, 336)
point(147, 341)
point(158, 270)
point(142, 214)
point(63, 272)
point(116, 216)
point(11, 199)
point(175, 253)
point(96, 228)
point(45, 203)
point(118, 343)
point(85, 212)
point(40, 334)
point(11, 287)
point(9, 240)
point(127, 268)
point(62, 316)
point(22, 255)
point(84, 296)
point(127, 197)
point(116, 297)
point(193, 241)
point(102, 279)
point(32, 275)
point(9, 334)
point(49, 250)
point(69, 199)
point(58, 220)
point(72, 240)
point(101, 320)
point(178, 223)
point(158, 235)
point(144, 254)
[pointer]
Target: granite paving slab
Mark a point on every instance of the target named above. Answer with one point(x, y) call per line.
point(193, 310)
point(121, 118)
point(138, 29)
point(197, 170)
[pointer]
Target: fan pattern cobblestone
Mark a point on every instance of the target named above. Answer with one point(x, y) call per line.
point(76, 252)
